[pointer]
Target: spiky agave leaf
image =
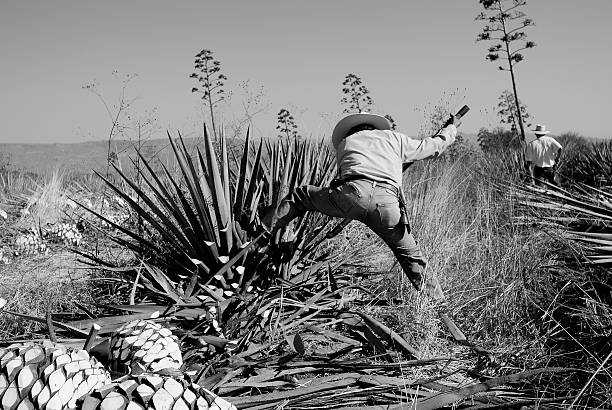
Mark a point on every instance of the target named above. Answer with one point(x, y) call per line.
point(296, 163)
point(185, 225)
point(587, 164)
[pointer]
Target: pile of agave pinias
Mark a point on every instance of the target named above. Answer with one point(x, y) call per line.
point(264, 322)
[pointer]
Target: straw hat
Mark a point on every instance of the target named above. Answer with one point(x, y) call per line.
point(540, 129)
point(350, 121)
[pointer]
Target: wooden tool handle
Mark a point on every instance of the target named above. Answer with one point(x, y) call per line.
point(462, 111)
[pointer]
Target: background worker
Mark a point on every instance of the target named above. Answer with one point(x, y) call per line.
point(370, 158)
point(542, 155)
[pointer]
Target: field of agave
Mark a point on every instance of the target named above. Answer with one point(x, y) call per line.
point(171, 295)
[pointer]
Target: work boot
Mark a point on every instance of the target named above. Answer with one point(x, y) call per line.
point(422, 282)
point(432, 289)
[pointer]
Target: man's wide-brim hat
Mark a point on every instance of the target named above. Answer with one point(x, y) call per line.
point(540, 129)
point(350, 121)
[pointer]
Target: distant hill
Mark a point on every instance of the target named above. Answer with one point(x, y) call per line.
point(83, 157)
point(44, 158)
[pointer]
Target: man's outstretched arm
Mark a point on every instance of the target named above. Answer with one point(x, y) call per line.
point(430, 147)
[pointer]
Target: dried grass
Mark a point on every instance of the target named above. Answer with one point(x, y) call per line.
point(46, 203)
point(40, 284)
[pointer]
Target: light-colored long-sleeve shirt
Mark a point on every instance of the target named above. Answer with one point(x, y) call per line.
point(543, 151)
point(379, 155)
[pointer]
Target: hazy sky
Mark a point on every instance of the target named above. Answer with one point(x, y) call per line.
point(409, 53)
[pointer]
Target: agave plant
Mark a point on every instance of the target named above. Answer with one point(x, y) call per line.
point(586, 162)
point(202, 230)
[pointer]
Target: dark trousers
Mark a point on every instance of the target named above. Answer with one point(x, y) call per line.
point(545, 174)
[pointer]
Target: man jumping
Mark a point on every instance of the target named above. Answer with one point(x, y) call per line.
point(370, 158)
